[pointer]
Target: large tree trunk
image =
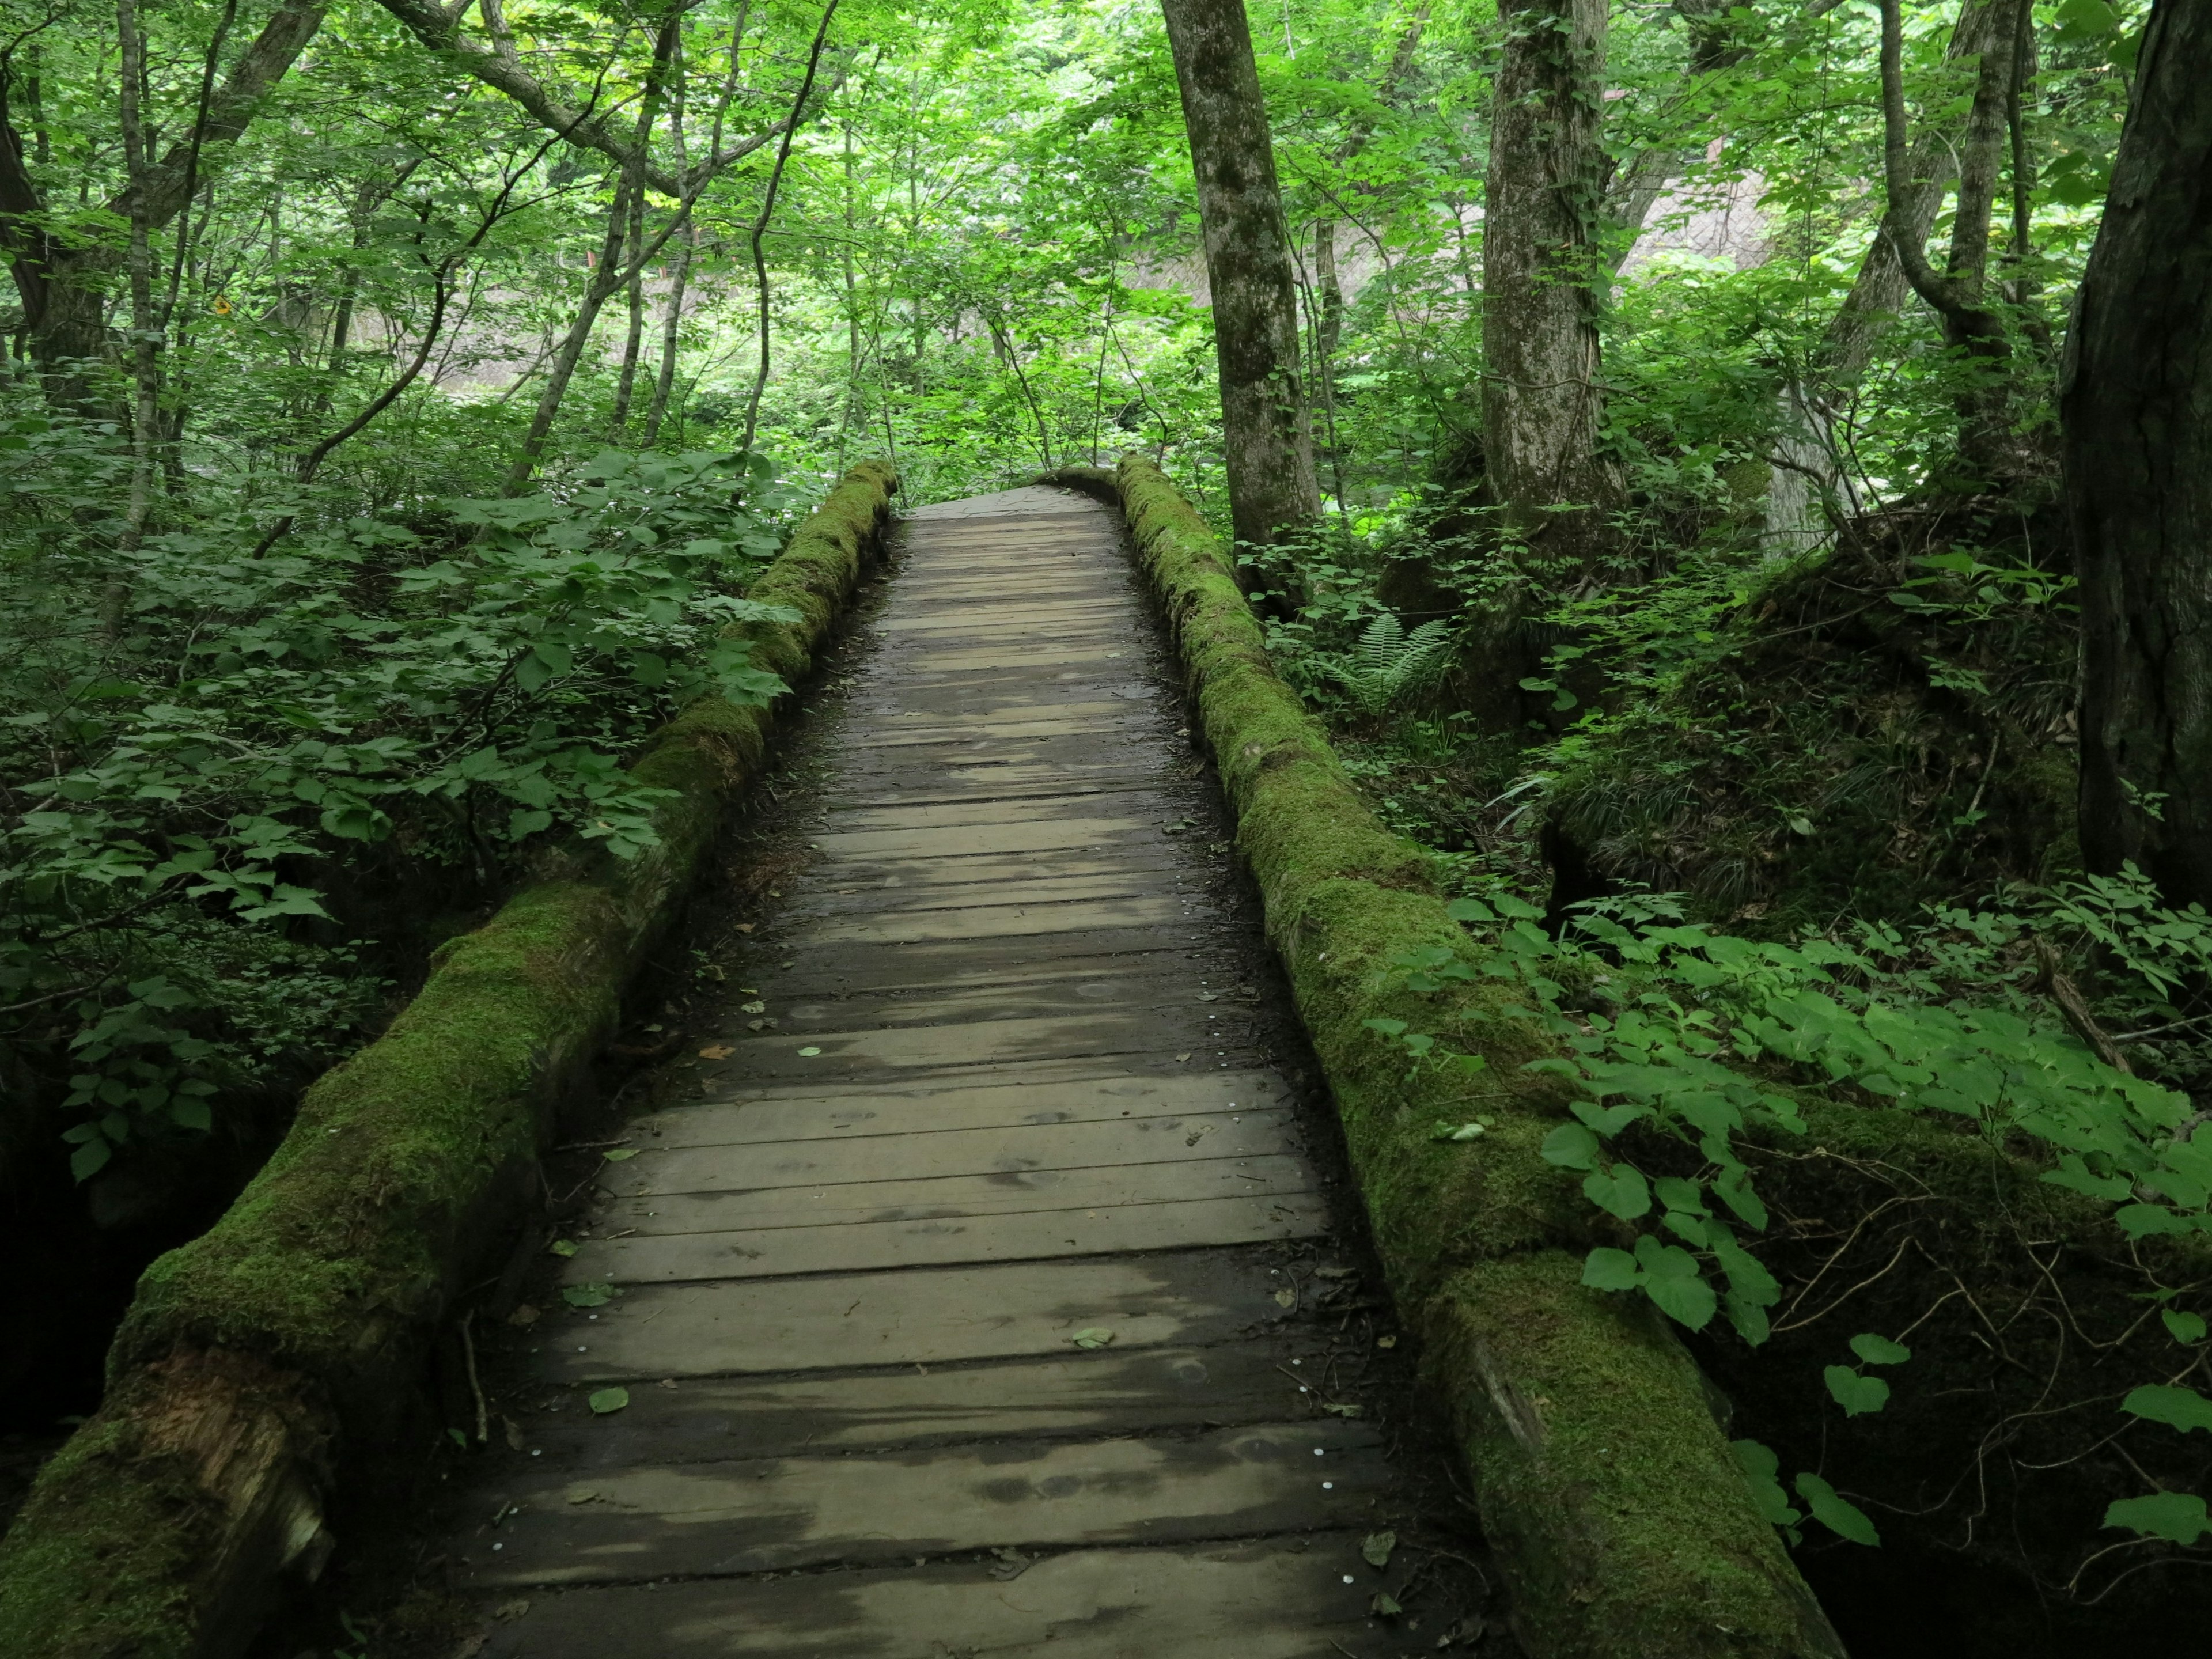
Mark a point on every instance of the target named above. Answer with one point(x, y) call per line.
point(1542, 405)
point(2137, 413)
point(1268, 439)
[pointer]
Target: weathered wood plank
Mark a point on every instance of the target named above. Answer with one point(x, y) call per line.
point(754, 1516)
point(1165, 1180)
point(863, 1246)
point(769, 1113)
point(1271, 1600)
point(912, 1317)
point(1082, 1394)
point(1010, 1151)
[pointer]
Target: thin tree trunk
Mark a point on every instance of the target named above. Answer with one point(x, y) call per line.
point(606, 276)
point(145, 334)
point(610, 272)
point(768, 212)
point(664, 381)
point(1541, 402)
point(2136, 411)
point(1267, 438)
point(633, 338)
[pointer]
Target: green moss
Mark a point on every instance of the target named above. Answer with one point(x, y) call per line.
point(1609, 1513)
point(337, 1262)
point(1656, 1552)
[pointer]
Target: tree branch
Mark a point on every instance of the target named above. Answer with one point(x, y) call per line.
point(499, 67)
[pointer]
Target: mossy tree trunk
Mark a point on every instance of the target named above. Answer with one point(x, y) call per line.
point(1267, 438)
point(1542, 268)
point(2136, 412)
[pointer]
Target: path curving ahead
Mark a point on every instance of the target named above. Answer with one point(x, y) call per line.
point(984, 1301)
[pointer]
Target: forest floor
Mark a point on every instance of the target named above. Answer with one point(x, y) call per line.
point(988, 1224)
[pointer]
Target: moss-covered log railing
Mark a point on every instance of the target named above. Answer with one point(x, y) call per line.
point(251, 1358)
point(1606, 1486)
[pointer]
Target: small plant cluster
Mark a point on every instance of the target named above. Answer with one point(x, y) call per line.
point(1704, 1039)
point(195, 780)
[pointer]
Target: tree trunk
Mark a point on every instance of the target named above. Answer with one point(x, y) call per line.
point(633, 338)
point(1268, 440)
point(665, 381)
point(1541, 404)
point(2137, 413)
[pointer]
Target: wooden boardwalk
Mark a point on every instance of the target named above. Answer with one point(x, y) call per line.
point(983, 1302)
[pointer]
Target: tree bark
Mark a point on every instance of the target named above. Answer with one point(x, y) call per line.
point(2135, 408)
point(1541, 401)
point(1267, 436)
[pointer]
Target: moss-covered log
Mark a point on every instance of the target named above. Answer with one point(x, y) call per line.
point(162, 1529)
point(1603, 1479)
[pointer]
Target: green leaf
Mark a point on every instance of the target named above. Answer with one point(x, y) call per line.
point(608, 1400)
point(2181, 1408)
point(2184, 1326)
point(1847, 1519)
point(1388, 1027)
point(89, 1159)
point(562, 1247)
point(1571, 1146)
point(619, 1154)
point(1857, 1393)
point(1880, 1350)
point(1097, 1336)
point(2178, 1517)
point(588, 1295)
point(1672, 1280)
point(1375, 1549)
point(1619, 1190)
point(1470, 909)
point(1760, 1469)
point(1605, 1269)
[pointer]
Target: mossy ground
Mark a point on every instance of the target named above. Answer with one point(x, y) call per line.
point(340, 1258)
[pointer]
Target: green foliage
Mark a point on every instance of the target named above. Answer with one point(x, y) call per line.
point(1389, 665)
point(453, 690)
point(1674, 1034)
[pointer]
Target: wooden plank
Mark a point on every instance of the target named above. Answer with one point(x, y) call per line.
point(841, 1055)
point(776, 1514)
point(769, 1115)
point(889, 877)
point(820, 1163)
point(1275, 1598)
point(1073, 804)
point(956, 1197)
point(857, 968)
point(905, 1318)
point(1018, 920)
point(1081, 1394)
point(1153, 984)
point(1037, 837)
point(862, 1246)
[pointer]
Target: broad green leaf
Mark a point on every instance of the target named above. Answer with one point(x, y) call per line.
point(1571, 1146)
point(1847, 1519)
point(2178, 1517)
point(1760, 1469)
point(2181, 1408)
point(2183, 1327)
point(1873, 1350)
point(1856, 1393)
point(1606, 1269)
point(608, 1400)
point(1619, 1190)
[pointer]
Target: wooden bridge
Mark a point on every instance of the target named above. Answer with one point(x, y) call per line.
point(989, 1293)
